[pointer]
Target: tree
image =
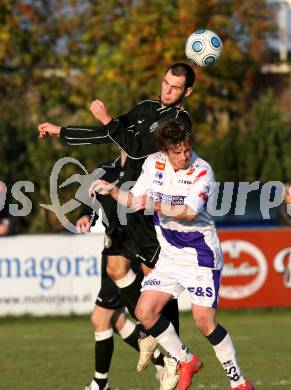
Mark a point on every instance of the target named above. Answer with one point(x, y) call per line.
point(265, 149)
point(56, 56)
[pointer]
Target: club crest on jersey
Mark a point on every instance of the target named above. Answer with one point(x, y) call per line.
point(158, 178)
point(159, 165)
point(154, 126)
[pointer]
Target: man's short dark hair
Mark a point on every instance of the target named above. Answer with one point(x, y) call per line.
point(171, 133)
point(181, 69)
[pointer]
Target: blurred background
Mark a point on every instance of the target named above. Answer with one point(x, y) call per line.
point(57, 56)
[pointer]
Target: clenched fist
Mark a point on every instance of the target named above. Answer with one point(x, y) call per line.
point(48, 129)
point(99, 110)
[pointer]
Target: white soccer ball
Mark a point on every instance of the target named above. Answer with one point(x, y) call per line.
point(203, 47)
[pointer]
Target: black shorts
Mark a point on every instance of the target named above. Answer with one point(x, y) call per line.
point(108, 296)
point(116, 245)
point(141, 230)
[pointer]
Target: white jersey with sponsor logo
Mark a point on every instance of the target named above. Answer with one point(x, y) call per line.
point(195, 241)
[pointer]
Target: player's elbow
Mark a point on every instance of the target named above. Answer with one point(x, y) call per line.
point(188, 215)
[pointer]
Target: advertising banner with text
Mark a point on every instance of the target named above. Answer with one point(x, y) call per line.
point(257, 269)
point(60, 274)
point(49, 274)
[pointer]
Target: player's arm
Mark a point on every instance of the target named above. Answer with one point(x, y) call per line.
point(81, 134)
point(178, 212)
point(103, 187)
point(87, 218)
point(75, 135)
point(83, 224)
point(127, 199)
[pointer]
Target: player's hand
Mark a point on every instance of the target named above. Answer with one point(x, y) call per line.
point(83, 224)
point(99, 110)
point(48, 129)
point(142, 202)
point(101, 187)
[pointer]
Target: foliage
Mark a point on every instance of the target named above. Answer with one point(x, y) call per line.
point(267, 142)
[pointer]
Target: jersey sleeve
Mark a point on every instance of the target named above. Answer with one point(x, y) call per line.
point(202, 188)
point(82, 134)
point(143, 183)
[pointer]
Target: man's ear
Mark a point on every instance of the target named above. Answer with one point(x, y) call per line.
point(188, 92)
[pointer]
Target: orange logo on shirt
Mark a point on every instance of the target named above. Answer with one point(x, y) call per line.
point(191, 170)
point(160, 165)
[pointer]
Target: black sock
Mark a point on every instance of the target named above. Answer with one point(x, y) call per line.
point(159, 360)
point(159, 327)
point(101, 383)
point(171, 312)
point(103, 355)
point(217, 335)
point(132, 339)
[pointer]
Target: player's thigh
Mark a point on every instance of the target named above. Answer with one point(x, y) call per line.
point(145, 269)
point(101, 318)
point(117, 266)
point(204, 318)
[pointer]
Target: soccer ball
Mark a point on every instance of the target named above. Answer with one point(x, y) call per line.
point(203, 47)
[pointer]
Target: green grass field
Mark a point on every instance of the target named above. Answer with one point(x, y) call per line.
point(57, 353)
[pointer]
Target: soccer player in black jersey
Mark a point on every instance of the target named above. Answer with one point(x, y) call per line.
point(109, 311)
point(133, 133)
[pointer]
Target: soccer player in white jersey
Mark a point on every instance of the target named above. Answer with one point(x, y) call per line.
point(177, 185)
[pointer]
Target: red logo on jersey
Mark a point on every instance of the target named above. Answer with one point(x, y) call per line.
point(203, 173)
point(203, 196)
point(160, 165)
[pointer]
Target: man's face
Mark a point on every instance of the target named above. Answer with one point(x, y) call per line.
point(173, 89)
point(180, 156)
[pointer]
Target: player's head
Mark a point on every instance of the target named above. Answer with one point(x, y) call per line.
point(173, 138)
point(177, 84)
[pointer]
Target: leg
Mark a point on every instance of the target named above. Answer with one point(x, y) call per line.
point(221, 342)
point(148, 311)
point(171, 309)
point(117, 267)
point(101, 321)
point(130, 333)
point(129, 283)
point(127, 329)
point(107, 302)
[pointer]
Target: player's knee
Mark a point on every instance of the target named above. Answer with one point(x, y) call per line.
point(142, 313)
point(115, 273)
point(145, 315)
point(94, 319)
point(100, 320)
